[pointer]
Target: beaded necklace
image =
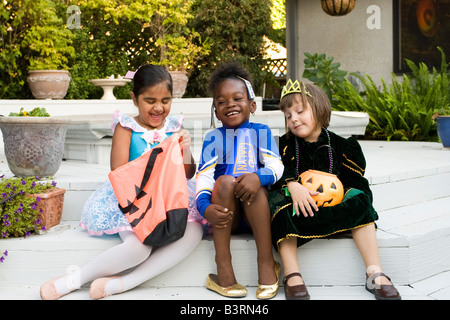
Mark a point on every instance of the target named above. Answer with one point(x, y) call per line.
point(330, 154)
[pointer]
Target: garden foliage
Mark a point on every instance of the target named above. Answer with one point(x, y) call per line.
point(115, 36)
point(401, 110)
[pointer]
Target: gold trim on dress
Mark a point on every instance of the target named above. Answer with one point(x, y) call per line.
point(276, 212)
point(358, 172)
point(352, 162)
point(319, 236)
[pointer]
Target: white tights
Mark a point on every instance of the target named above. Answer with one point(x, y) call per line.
point(130, 253)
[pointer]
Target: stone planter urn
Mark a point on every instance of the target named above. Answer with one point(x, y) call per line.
point(179, 80)
point(108, 86)
point(49, 84)
point(34, 146)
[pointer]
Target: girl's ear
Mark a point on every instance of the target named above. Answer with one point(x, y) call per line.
point(215, 110)
point(133, 98)
point(253, 106)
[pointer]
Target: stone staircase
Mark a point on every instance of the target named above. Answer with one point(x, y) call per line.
point(410, 182)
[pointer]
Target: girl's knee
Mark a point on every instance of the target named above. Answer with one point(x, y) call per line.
point(224, 186)
point(137, 251)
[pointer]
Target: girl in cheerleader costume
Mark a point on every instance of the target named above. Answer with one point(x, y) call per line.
point(239, 161)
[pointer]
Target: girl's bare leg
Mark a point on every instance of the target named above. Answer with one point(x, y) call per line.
point(258, 217)
point(223, 194)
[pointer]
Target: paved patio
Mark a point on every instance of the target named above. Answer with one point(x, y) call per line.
point(414, 244)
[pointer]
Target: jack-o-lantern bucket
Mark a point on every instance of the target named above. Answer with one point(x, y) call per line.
point(330, 188)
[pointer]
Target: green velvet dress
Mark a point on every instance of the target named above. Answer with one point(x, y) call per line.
point(348, 163)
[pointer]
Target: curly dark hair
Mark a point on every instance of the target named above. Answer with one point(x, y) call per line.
point(227, 70)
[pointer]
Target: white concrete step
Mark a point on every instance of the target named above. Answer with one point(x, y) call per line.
point(199, 295)
point(407, 255)
point(413, 201)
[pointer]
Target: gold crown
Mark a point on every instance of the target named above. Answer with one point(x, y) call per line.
point(293, 87)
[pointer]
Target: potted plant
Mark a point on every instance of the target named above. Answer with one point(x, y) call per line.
point(442, 118)
point(49, 48)
point(33, 142)
point(34, 36)
point(179, 46)
point(177, 54)
point(28, 205)
point(48, 78)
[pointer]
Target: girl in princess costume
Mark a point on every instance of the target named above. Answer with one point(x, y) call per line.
point(152, 95)
point(296, 218)
point(238, 162)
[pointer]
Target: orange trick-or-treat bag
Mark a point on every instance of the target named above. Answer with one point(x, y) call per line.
point(152, 193)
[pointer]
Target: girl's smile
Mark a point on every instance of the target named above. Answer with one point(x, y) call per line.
point(233, 107)
point(154, 105)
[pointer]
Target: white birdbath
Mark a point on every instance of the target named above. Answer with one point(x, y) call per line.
point(108, 86)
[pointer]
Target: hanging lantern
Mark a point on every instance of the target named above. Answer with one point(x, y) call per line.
point(330, 188)
point(338, 7)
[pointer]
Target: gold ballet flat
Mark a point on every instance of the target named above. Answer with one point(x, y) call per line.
point(235, 291)
point(268, 291)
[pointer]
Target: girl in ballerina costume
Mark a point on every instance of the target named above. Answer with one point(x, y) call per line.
point(295, 215)
point(133, 136)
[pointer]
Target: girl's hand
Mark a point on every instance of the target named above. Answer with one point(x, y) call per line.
point(185, 145)
point(218, 216)
point(247, 186)
point(301, 199)
point(185, 139)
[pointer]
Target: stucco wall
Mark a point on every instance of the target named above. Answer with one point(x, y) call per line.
point(361, 41)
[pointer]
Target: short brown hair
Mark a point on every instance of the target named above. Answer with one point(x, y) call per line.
point(317, 99)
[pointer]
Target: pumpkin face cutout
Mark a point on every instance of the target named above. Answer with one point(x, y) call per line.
point(330, 188)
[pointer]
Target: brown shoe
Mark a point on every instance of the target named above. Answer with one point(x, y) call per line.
point(381, 292)
point(298, 292)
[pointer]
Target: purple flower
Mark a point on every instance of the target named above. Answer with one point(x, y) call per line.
point(54, 183)
point(24, 182)
point(4, 234)
point(38, 199)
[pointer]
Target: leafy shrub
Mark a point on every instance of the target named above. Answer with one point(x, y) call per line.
point(325, 73)
point(404, 109)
